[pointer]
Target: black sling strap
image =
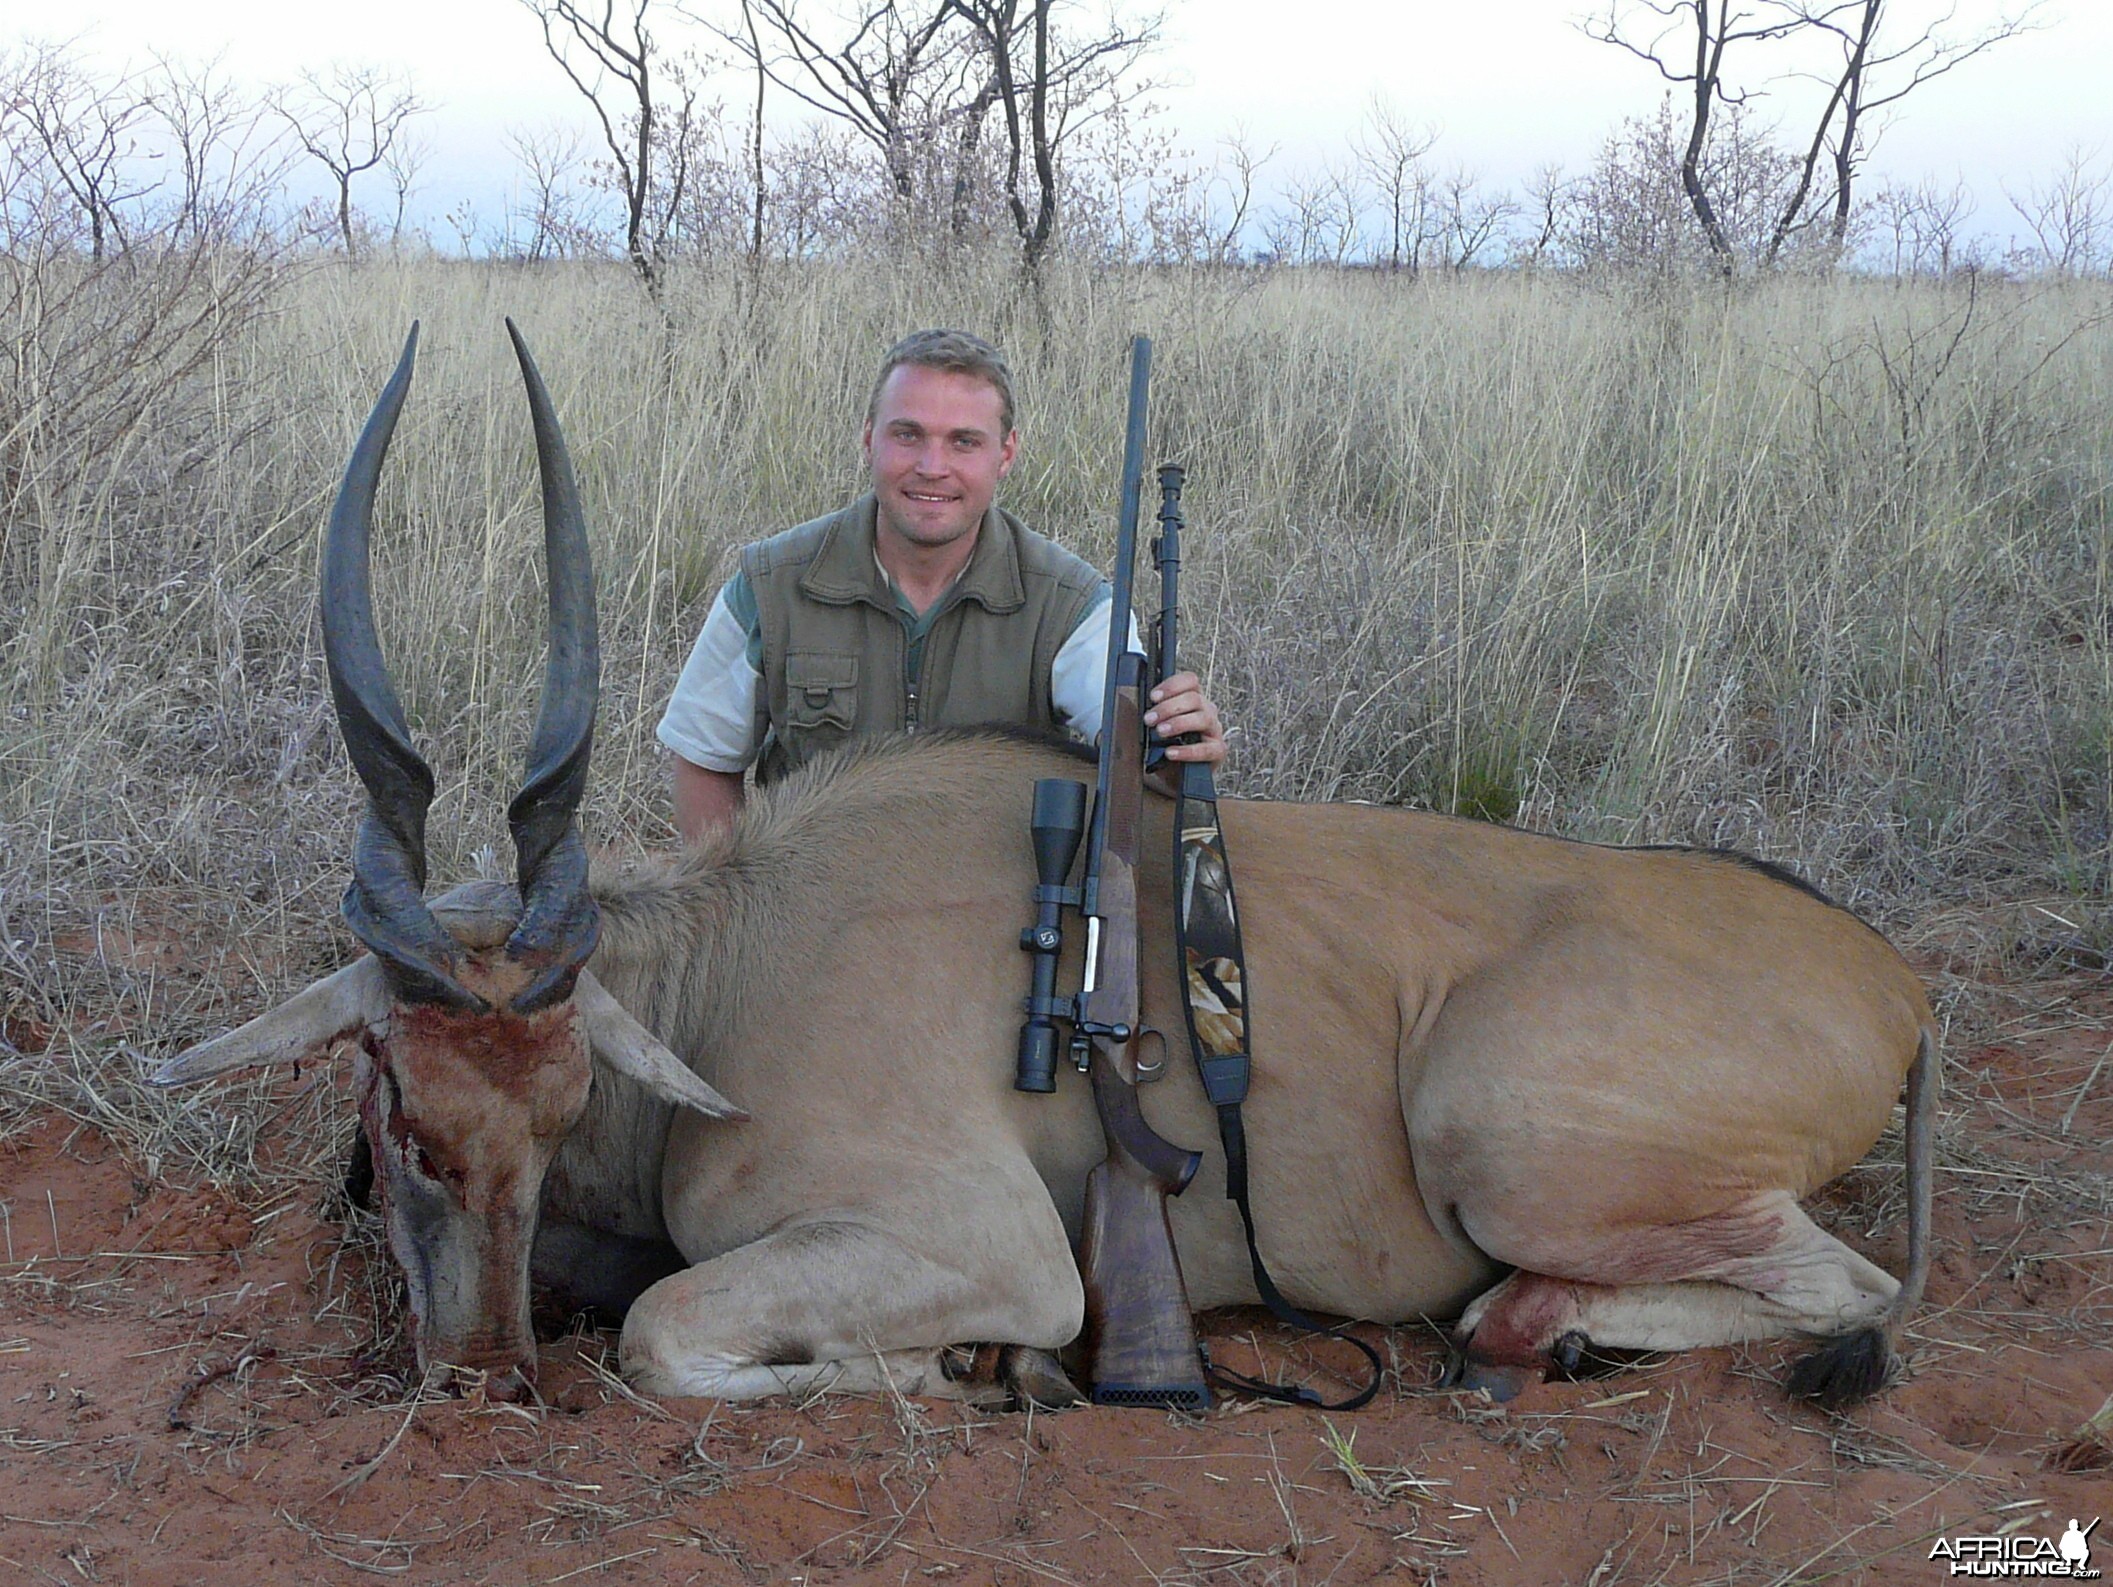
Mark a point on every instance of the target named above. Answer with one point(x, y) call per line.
point(1213, 974)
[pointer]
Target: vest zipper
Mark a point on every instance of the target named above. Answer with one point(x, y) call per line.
point(909, 685)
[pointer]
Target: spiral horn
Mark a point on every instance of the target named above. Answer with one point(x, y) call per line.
point(385, 903)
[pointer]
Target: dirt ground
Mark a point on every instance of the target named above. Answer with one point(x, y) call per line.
point(196, 1388)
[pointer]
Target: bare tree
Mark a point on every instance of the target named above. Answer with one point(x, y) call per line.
point(755, 141)
point(1317, 222)
point(352, 120)
point(104, 340)
point(820, 198)
point(884, 70)
point(1942, 214)
point(1922, 225)
point(1045, 94)
point(552, 168)
point(996, 24)
point(1875, 75)
point(2070, 215)
point(406, 158)
point(1551, 195)
point(86, 131)
point(1391, 150)
point(1687, 41)
point(612, 56)
point(228, 156)
point(703, 199)
point(1629, 211)
point(1469, 219)
point(1245, 163)
point(919, 80)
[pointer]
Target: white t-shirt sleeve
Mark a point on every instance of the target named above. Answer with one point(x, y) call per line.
point(711, 717)
point(1079, 675)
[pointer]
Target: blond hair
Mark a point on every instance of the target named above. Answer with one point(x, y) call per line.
point(957, 352)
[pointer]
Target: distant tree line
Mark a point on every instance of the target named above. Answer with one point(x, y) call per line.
point(944, 125)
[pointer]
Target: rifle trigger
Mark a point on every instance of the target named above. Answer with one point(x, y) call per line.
point(1152, 1071)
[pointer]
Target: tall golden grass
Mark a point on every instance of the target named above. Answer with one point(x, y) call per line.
point(1814, 568)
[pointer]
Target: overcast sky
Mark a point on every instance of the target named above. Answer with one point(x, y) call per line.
point(1512, 84)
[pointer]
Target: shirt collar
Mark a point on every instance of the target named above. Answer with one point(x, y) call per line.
point(847, 569)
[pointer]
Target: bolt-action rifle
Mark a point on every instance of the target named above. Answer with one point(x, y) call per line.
point(1141, 1340)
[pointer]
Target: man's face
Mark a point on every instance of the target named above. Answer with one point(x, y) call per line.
point(936, 450)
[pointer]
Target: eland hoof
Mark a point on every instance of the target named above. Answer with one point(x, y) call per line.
point(1499, 1381)
point(1035, 1378)
point(1569, 1352)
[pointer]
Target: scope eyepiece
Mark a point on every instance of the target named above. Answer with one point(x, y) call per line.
point(1035, 1068)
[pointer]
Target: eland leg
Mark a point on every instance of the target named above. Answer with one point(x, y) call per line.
point(1762, 1271)
point(842, 1303)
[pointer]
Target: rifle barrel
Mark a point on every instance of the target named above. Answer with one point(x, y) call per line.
point(1133, 482)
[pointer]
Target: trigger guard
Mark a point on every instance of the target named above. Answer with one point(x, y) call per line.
point(1147, 1073)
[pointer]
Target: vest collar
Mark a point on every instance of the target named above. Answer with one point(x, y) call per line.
point(845, 570)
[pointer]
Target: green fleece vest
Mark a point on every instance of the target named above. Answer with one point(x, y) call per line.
point(836, 647)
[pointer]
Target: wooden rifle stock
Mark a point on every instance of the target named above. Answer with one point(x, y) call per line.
point(1141, 1341)
point(1143, 1345)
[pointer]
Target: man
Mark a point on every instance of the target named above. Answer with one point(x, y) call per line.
point(922, 604)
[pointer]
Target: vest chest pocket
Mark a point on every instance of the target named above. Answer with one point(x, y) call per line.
point(821, 690)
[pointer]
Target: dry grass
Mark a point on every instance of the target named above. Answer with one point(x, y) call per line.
point(2090, 1448)
point(1819, 570)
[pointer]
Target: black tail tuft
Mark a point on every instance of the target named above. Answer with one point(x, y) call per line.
point(1844, 1369)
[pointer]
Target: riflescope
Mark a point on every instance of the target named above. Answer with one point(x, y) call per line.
point(1059, 822)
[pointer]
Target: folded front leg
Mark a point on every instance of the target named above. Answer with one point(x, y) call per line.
point(844, 1302)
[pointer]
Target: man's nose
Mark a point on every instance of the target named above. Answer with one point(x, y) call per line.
point(931, 458)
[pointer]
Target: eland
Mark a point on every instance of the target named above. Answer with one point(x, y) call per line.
point(1570, 1095)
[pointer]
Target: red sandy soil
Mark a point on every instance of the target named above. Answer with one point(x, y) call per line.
point(198, 1390)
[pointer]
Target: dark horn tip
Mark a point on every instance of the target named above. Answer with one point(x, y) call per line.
point(527, 361)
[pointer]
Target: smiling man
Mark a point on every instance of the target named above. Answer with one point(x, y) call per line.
point(922, 604)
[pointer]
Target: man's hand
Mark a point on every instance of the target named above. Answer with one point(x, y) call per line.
point(1179, 706)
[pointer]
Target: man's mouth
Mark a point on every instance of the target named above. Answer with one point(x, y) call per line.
point(927, 496)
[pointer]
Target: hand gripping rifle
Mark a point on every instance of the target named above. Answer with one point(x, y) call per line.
point(1142, 1343)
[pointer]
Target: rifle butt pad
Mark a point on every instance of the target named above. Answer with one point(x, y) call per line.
point(1141, 1341)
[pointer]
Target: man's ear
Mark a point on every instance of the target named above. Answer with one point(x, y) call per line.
point(1006, 453)
point(865, 442)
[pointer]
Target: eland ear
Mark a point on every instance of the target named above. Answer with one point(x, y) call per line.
point(631, 1050)
point(354, 998)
